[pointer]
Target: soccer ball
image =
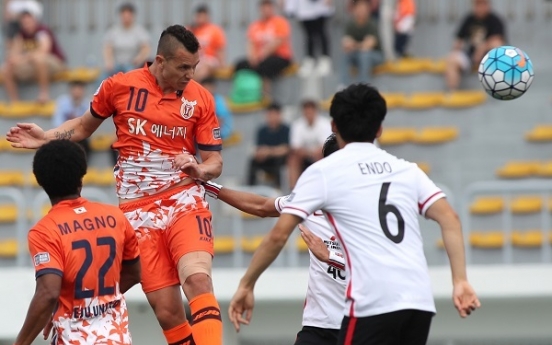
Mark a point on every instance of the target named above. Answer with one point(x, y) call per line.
point(506, 72)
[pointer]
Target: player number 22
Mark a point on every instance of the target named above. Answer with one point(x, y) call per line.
point(85, 245)
point(383, 209)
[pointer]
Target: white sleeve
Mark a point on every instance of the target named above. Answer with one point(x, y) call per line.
point(280, 202)
point(308, 195)
point(428, 192)
point(295, 137)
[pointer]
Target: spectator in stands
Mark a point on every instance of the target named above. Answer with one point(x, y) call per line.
point(34, 55)
point(307, 136)
point(212, 41)
point(373, 4)
point(12, 11)
point(480, 31)
point(272, 147)
point(313, 16)
point(72, 105)
point(269, 45)
point(361, 45)
point(126, 45)
point(221, 108)
point(396, 26)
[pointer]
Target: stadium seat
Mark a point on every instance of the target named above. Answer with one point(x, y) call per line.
point(101, 142)
point(26, 109)
point(301, 245)
point(396, 136)
point(394, 100)
point(540, 133)
point(8, 213)
point(423, 100)
point(544, 169)
point(404, 66)
point(435, 135)
point(105, 177)
point(8, 249)
point(487, 239)
point(234, 139)
point(326, 103)
point(43, 211)
point(246, 215)
point(440, 244)
point(83, 74)
point(487, 205)
point(516, 169)
point(248, 107)
point(31, 180)
point(425, 167)
point(464, 99)
point(528, 238)
point(12, 178)
point(435, 66)
point(526, 205)
point(4, 144)
point(224, 244)
point(250, 244)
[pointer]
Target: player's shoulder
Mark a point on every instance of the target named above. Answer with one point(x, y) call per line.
point(196, 91)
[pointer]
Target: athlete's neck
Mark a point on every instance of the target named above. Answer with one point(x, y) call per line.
point(155, 71)
point(57, 200)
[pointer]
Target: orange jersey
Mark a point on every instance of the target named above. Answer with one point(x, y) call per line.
point(211, 39)
point(86, 243)
point(262, 32)
point(153, 128)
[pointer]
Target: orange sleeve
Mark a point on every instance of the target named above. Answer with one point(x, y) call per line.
point(220, 39)
point(207, 130)
point(102, 102)
point(46, 252)
point(131, 253)
point(283, 29)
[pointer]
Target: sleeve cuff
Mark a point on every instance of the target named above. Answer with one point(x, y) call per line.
point(336, 260)
point(204, 147)
point(45, 271)
point(131, 261)
point(295, 211)
point(96, 114)
point(280, 203)
point(430, 201)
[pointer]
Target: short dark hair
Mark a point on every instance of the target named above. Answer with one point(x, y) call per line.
point(330, 145)
point(59, 167)
point(209, 81)
point(309, 103)
point(174, 36)
point(127, 6)
point(358, 112)
point(274, 107)
point(266, 2)
point(202, 9)
point(77, 82)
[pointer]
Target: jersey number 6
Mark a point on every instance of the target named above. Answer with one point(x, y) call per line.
point(103, 290)
point(384, 209)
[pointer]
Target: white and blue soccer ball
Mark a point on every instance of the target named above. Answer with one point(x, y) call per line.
point(506, 72)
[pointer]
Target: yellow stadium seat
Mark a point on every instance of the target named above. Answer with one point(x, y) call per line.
point(31, 180)
point(435, 135)
point(301, 245)
point(290, 70)
point(234, 139)
point(82, 74)
point(246, 215)
point(248, 107)
point(487, 205)
point(250, 244)
point(544, 169)
point(43, 211)
point(224, 244)
point(528, 238)
point(526, 204)
point(464, 99)
point(46, 110)
point(396, 136)
point(4, 144)
point(423, 100)
point(435, 66)
point(26, 109)
point(540, 133)
point(91, 176)
point(440, 244)
point(394, 100)
point(325, 104)
point(515, 169)
point(404, 66)
point(105, 177)
point(101, 142)
point(487, 239)
point(224, 73)
point(8, 249)
point(12, 178)
point(425, 167)
point(8, 213)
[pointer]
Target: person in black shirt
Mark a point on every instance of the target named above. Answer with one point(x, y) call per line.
point(272, 147)
point(481, 31)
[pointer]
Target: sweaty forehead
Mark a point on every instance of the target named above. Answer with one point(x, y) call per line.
point(182, 56)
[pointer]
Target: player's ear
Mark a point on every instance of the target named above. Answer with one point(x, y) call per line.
point(160, 60)
point(380, 130)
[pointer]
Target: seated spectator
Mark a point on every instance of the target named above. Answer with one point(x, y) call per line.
point(361, 45)
point(212, 41)
point(404, 20)
point(313, 16)
point(307, 136)
point(126, 45)
point(34, 55)
point(12, 11)
point(481, 31)
point(72, 105)
point(269, 45)
point(221, 108)
point(272, 147)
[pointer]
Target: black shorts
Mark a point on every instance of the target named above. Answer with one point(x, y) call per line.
point(316, 336)
point(403, 327)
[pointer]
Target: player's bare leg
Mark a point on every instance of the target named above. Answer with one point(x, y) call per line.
point(194, 272)
point(453, 72)
point(169, 311)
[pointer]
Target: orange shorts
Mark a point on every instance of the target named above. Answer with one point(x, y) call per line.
point(169, 225)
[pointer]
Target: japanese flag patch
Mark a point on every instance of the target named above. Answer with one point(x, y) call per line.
point(41, 258)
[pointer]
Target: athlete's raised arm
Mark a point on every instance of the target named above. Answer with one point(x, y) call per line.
point(254, 204)
point(31, 136)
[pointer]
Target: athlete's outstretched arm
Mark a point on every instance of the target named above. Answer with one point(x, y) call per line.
point(254, 204)
point(48, 288)
point(268, 251)
point(209, 168)
point(464, 297)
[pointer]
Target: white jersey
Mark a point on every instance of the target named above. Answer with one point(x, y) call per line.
point(326, 286)
point(372, 200)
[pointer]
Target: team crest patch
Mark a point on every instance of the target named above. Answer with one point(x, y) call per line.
point(41, 258)
point(187, 108)
point(216, 133)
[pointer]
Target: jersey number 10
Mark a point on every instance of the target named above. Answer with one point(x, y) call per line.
point(85, 245)
point(383, 209)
